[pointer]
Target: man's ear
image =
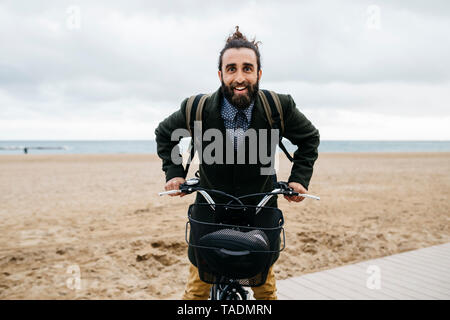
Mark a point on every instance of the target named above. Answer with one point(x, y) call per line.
point(259, 74)
point(219, 73)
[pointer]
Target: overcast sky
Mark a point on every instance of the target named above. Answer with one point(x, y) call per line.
point(376, 70)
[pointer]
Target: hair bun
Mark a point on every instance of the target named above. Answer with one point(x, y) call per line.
point(237, 35)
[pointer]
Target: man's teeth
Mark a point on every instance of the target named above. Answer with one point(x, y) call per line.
point(240, 88)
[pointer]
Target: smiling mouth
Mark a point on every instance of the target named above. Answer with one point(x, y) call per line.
point(240, 89)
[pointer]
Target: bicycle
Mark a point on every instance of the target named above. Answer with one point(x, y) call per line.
point(232, 251)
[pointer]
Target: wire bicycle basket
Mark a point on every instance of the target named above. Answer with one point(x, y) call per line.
point(234, 242)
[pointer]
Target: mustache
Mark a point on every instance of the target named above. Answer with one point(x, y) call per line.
point(243, 84)
point(240, 101)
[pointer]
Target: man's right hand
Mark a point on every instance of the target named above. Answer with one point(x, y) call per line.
point(174, 184)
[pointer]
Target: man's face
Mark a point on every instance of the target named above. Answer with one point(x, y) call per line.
point(239, 76)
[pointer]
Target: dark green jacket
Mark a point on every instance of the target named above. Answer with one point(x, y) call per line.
point(241, 179)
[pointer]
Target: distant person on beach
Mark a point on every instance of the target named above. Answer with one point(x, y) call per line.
point(236, 109)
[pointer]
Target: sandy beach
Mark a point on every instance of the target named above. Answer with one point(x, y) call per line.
point(93, 226)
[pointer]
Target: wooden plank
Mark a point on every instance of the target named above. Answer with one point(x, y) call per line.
point(422, 280)
point(440, 276)
point(401, 269)
point(386, 294)
point(430, 259)
point(442, 250)
point(437, 253)
point(411, 268)
point(309, 291)
point(397, 277)
point(333, 291)
point(405, 283)
point(355, 284)
point(299, 294)
point(429, 263)
point(281, 296)
point(347, 290)
point(359, 273)
point(350, 284)
point(299, 291)
point(418, 274)
point(423, 271)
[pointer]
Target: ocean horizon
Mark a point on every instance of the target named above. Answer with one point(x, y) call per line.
point(149, 146)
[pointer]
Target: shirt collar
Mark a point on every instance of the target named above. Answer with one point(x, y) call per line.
point(229, 111)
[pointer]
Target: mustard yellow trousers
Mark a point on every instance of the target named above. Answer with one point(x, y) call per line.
point(196, 289)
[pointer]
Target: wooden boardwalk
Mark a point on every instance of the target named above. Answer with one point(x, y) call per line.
point(417, 274)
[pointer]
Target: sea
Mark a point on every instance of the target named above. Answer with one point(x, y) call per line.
point(149, 146)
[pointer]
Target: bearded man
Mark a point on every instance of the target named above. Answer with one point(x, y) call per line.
point(236, 107)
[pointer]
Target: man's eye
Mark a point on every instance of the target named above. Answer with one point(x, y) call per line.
point(231, 69)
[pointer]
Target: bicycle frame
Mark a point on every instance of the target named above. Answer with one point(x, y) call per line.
point(231, 291)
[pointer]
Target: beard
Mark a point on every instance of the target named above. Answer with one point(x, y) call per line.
point(240, 101)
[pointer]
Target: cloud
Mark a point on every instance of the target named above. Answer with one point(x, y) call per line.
point(332, 42)
point(137, 60)
point(356, 125)
point(399, 99)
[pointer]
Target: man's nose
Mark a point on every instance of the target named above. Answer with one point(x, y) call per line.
point(240, 77)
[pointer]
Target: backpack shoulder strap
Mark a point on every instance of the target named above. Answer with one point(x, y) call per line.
point(194, 112)
point(273, 109)
point(277, 103)
point(274, 112)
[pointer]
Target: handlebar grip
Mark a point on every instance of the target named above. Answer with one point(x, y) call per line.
point(168, 192)
point(309, 196)
point(304, 195)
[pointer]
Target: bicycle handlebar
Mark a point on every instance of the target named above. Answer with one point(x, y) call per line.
point(190, 186)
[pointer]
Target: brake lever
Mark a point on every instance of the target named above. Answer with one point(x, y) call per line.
point(286, 190)
point(184, 187)
point(284, 186)
point(192, 182)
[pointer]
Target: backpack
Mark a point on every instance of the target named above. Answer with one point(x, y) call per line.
point(272, 108)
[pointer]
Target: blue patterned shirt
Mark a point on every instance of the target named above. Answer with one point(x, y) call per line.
point(230, 120)
point(229, 112)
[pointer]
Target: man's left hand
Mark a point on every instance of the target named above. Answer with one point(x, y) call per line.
point(297, 187)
